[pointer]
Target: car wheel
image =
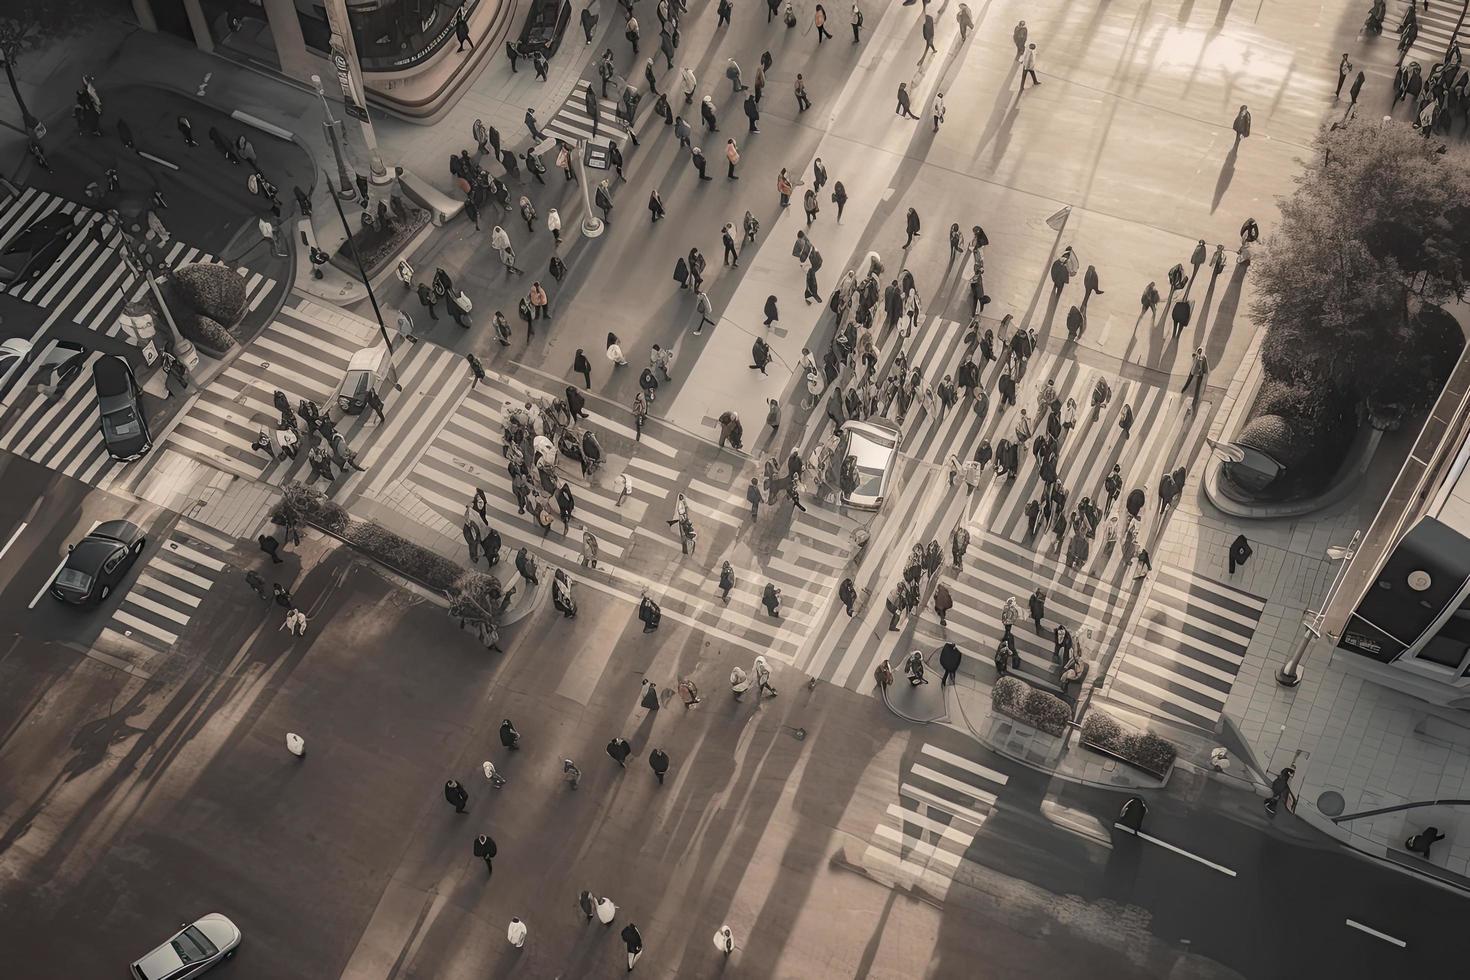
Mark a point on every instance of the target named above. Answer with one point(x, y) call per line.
point(106, 591)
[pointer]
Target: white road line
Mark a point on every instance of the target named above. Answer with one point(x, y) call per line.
point(52, 577)
point(23, 526)
point(1374, 932)
point(1177, 850)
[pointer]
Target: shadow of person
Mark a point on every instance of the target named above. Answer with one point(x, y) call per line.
point(1219, 334)
point(1227, 174)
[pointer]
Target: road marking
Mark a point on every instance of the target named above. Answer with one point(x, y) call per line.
point(1177, 850)
point(52, 577)
point(1381, 935)
point(23, 526)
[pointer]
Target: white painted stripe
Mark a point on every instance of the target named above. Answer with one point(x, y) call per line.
point(140, 601)
point(917, 847)
point(940, 803)
point(1375, 933)
point(935, 880)
point(23, 526)
point(176, 594)
point(958, 785)
point(194, 555)
point(1185, 602)
point(929, 824)
point(1166, 675)
point(143, 626)
point(668, 473)
point(1177, 850)
point(1165, 700)
point(205, 534)
point(984, 772)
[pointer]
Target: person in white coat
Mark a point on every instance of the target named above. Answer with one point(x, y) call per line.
point(606, 910)
point(724, 940)
point(516, 933)
point(553, 224)
point(296, 745)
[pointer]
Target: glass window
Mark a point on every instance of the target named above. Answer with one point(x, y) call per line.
point(1451, 643)
point(70, 578)
point(193, 946)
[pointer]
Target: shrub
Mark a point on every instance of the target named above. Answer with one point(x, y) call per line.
point(213, 290)
point(1035, 707)
point(312, 505)
point(204, 332)
point(1145, 750)
point(1276, 437)
point(413, 560)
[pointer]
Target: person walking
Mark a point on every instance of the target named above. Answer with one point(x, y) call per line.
point(632, 938)
point(570, 772)
point(762, 673)
point(1199, 370)
point(732, 157)
point(857, 24)
point(943, 603)
point(492, 774)
point(1240, 553)
point(1018, 36)
point(649, 614)
point(1037, 607)
point(619, 750)
point(257, 584)
point(803, 101)
point(724, 940)
point(1242, 126)
point(269, 545)
point(456, 795)
point(704, 308)
point(658, 761)
point(485, 849)
point(754, 496)
point(581, 365)
point(904, 108)
point(516, 933)
point(1344, 68)
point(949, 659)
point(819, 18)
point(509, 737)
point(1028, 66)
point(938, 110)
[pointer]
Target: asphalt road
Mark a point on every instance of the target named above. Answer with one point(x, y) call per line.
point(135, 803)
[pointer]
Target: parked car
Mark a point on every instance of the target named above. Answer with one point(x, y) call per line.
point(28, 255)
point(120, 403)
point(97, 563)
point(364, 372)
point(545, 25)
point(874, 444)
point(57, 366)
point(190, 951)
point(15, 352)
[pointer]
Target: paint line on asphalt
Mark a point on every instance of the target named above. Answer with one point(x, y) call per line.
point(1177, 850)
point(52, 577)
point(23, 526)
point(1374, 932)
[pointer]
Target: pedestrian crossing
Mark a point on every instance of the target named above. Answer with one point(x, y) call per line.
point(634, 538)
point(63, 434)
point(572, 122)
point(942, 803)
point(1182, 655)
point(305, 353)
point(90, 283)
point(166, 593)
point(1437, 27)
point(1166, 430)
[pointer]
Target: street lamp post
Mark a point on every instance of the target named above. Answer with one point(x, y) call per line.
point(592, 225)
point(183, 347)
point(1289, 674)
point(349, 75)
point(362, 273)
point(333, 129)
point(32, 124)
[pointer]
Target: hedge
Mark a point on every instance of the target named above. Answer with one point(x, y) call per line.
point(1031, 705)
point(213, 290)
point(416, 561)
point(1145, 750)
point(205, 333)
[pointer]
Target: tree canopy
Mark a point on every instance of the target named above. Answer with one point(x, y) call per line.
point(27, 24)
point(1375, 234)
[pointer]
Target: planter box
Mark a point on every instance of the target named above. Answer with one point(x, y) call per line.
point(1019, 740)
point(1105, 735)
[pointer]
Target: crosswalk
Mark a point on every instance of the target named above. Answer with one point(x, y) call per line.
point(88, 282)
point(1181, 657)
point(633, 537)
point(943, 802)
point(1166, 430)
point(305, 353)
point(167, 591)
point(1437, 27)
point(572, 122)
point(64, 434)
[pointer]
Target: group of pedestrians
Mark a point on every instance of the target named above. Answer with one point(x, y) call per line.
point(326, 446)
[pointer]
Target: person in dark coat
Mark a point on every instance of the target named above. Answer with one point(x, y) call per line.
point(943, 603)
point(911, 225)
point(485, 850)
point(847, 593)
point(1059, 275)
point(949, 659)
point(1240, 552)
point(269, 545)
point(649, 614)
point(658, 761)
point(462, 31)
point(455, 794)
point(509, 737)
point(619, 750)
point(576, 403)
point(582, 366)
point(632, 938)
point(1037, 606)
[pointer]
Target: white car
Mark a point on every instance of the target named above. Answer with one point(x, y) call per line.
point(874, 446)
point(192, 950)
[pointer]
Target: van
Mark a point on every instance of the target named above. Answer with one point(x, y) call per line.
point(364, 372)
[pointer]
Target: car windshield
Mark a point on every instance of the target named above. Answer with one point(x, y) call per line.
point(869, 482)
point(121, 424)
point(192, 946)
point(71, 578)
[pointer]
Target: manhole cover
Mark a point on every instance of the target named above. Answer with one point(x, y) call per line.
point(1331, 803)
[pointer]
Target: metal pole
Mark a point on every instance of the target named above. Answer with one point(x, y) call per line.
point(183, 347)
point(336, 11)
point(32, 124)
point(333, 129)
point(592, 225)
point(362, 274)
point(1289, 674)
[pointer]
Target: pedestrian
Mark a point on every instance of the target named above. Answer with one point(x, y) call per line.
point(1018, 36)
point(570, 772)
point(927, 30)
point(803, 101)
point(966, 21)
point(839, 197)
point(754, 496)
point(903, 108)
point(256, 583)
point(771, 599)
point(1240, 553)
point(688, 692)
point(1199, 369)
point(762, 671)
point(949, 659)
point(509, 737)
point(632, 938)
point(704, 308)
point(186, 128)
point(1344, 68)
point(752, 109)
point(1037, 606)
point(943, 603)
point(1028, 63)
point(456, 796)
point(847, 595)
point(269, 545)
point(732, 156)
point(658, 761)
point(462, 31)
point(707, 113)
point(649, 614)
point(938, 110)
point(1281, 789)
point(911, 225)
point(1419, 843)
point(492, 774)
point(516, 934)
point(485, 849)
point(1242, 125)
point(581, 365)
point(618, 750)
point(375, 402)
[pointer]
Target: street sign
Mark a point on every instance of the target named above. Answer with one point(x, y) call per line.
point(596, 156)
point(343, 67)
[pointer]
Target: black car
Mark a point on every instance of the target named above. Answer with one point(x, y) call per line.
point(120, 402)
point(545, 25)
point(34, 250)
point(98, 562)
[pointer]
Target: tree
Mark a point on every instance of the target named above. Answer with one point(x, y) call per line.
point(27, 24)
point(1372, 237)
point(479, 600)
